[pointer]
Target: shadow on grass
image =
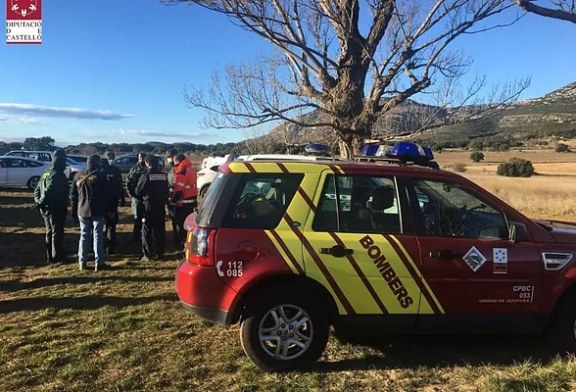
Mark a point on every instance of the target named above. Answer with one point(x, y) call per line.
point(89, 302)
point(444, 352)
point(16, 284)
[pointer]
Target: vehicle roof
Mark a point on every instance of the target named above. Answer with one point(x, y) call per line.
point(29, 151)
point(290, 157)
point(340, 166)
point(24, 158)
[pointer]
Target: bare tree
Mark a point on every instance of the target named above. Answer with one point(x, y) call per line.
point(559, 9)
point(350, 60)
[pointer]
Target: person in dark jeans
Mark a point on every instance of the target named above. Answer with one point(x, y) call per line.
point(51, 198)
point(114, 179)
point(152, 189)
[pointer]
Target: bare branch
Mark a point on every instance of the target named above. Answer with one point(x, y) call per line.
point(566, 9)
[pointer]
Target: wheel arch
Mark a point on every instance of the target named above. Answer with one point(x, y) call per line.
point(302, 283)
point(567, 295)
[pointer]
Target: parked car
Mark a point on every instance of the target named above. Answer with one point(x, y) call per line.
point(43, 156)
point(78, 158)
point(205, 178)
point(127, 161)
point(72, 165)
point(20, 172)
point(289, 248)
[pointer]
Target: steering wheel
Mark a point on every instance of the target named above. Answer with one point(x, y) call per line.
point(457, 223)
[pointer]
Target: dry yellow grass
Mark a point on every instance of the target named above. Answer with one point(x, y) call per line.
point(549, 195)
point(537, 197)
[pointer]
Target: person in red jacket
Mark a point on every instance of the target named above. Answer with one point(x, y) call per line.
point(184, 193)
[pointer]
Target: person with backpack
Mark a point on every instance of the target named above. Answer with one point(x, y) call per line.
point(51, 199)
point(91, 197)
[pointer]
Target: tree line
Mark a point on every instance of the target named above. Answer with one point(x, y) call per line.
point(47, 143)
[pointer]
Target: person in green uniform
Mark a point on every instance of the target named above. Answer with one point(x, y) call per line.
point(51, 199)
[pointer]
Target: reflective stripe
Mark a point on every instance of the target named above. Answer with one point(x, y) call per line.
point(188, 201)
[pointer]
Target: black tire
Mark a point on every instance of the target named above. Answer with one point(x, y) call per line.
point(296, 320)
point(563, 328)
point(32, 182)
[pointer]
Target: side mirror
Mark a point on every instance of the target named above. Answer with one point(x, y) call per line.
point(517, 232)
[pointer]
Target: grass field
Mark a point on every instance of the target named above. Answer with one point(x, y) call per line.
point(123, 330)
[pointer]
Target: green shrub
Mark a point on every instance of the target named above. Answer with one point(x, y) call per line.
point(477, 156)
point(561, 147)
point(516, 167)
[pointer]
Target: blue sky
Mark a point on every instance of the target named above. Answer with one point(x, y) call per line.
point(114, 71)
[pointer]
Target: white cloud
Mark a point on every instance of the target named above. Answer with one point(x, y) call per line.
point(48, 111)
point(30, 121)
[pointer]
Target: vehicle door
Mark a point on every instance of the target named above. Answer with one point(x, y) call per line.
point(17, 173)
point(356, 247)
point(483, 280)
point(4, 163)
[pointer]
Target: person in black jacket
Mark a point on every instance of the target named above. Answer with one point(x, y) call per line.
point(51, 198)
point(114, 181)
point(152, 189)
point(137, 207)
point(90, 197)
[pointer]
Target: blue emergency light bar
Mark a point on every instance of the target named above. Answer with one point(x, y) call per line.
point(410, 152)
point(402, 153)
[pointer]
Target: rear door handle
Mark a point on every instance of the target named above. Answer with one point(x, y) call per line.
point(336, 251)
point(443, 254)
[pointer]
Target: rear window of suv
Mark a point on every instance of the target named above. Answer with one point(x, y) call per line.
point(248, 201)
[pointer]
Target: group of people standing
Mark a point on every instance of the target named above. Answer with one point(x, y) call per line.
point(96, 194)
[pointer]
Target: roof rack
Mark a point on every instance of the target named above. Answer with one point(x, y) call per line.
point(400, 162)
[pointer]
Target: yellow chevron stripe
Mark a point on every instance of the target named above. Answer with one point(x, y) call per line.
point(280, 250)
point(407, 255)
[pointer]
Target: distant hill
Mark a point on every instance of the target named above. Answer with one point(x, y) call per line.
point(531, 121)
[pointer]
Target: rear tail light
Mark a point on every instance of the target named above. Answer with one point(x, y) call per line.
point(198, 247)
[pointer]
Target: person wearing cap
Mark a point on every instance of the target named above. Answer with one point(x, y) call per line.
point(137, 205)
point(152, 189)
point(51, 199)
point(114, 181)
point(90, 197)
point(184, 193)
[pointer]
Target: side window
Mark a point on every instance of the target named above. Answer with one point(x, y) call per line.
point(33, 164)
point(450, 210)
point(358, 204)
point(44, 157)
point(17, 163)
point(261, 200)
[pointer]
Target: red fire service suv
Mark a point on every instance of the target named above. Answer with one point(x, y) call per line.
point(289, 248)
